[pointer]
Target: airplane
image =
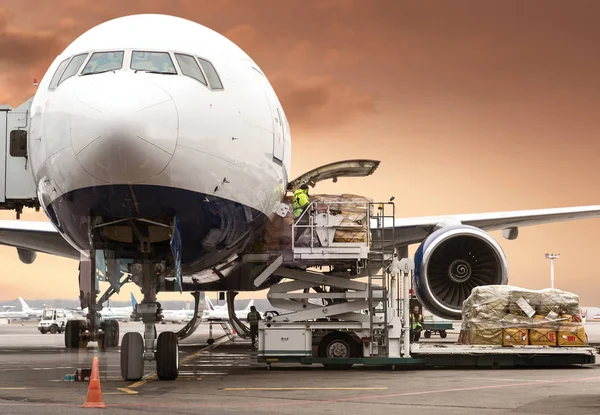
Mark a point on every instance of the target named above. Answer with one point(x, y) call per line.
point(166, 149)
point(31, 312)
point(221, 313)
point(21, 315)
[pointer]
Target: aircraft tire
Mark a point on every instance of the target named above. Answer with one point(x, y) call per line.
point(72, 334)
point(167, 356)
point(132, 357)
point(111, 333)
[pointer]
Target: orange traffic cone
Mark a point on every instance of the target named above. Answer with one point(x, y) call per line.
point(94, 395)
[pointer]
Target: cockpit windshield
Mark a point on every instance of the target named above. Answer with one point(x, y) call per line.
point(104, 62)
point(155, 62)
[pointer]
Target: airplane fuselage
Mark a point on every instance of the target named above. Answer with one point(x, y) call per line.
point(137, 130)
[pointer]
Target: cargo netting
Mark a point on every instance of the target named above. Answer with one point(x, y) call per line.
point(503, 315)
point(347, 209)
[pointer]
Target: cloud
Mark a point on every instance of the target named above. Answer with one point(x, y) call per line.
point(320, 101)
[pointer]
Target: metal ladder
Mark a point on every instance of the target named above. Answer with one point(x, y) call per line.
point(380, 257)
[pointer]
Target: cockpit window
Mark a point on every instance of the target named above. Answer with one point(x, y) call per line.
point(190, 67)
point(211, 74)
point(155, 62)
point(104, 62)
point(58, 74)
point(73, 67)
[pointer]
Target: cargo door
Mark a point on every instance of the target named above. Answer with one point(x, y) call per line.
point(3, 155)
point(19, 179)
point(346, 168)
point(276, 120)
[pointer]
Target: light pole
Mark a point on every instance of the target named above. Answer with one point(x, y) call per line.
point(552, 257)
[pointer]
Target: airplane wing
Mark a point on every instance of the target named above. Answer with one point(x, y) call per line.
point(35, 236)
point(413, 230)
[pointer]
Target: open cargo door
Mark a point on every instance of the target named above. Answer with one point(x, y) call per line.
point(346, 168)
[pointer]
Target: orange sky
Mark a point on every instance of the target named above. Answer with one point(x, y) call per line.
point(470, 106)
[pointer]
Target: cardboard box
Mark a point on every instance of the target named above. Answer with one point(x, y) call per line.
point(489, 337)
point(515, 337)
point(572, 335)
point(542, 337)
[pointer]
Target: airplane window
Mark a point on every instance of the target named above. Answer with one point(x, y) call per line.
point(189, 67)
point(57, 74)
point(154, 62)
point(18, 143)
point(73, 67)
point(211, 74)
point(103, 62)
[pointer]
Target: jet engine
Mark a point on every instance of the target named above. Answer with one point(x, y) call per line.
point(26, 256)
point(451, 262)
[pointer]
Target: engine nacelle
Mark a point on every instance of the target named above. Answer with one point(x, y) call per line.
point(26, 256)
point(451, 262)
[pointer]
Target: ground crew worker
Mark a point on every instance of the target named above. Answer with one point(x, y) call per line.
point(416, 324)
point(253, 318)
point(301, 200)
point(301, 203)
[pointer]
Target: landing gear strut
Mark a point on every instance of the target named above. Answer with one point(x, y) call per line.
point(78, 333)
point(135, 350)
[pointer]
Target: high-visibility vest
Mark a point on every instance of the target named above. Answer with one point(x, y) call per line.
point(414, 323)
point(300, 201)
point(253, 317)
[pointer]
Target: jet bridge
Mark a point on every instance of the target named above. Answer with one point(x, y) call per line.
point(17, 188)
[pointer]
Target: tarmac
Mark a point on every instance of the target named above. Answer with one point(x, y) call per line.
point(226, 378)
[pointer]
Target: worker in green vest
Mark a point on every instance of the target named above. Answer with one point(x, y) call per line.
point(301, 200)
point(253, 318)
point(416, 324)
point(301, 203)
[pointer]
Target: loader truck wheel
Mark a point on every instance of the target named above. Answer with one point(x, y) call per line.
point(54, 329)
point(443, 334)
point(337, 345)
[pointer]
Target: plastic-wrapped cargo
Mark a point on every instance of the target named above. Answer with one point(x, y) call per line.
point(507, 315)
point(353, 227)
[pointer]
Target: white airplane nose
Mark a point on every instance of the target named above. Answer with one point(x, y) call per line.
point(123, 129)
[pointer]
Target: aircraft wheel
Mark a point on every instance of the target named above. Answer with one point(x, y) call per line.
point(210, 342)
point(132, 356)
point(111, 333)
point(167, 356)
point(73, 334)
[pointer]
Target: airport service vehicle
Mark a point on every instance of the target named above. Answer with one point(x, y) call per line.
point(53, 321)
point(164, 152)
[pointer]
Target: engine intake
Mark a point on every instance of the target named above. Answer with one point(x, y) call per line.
point(451, 262)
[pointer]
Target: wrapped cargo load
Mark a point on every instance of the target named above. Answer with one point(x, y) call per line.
point(353, 227)
point(512, 316)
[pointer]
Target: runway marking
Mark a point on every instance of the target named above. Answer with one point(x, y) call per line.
point(12, 389)
point(306, 389)
point(154, 376)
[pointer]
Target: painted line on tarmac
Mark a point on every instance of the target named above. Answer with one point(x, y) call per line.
point(306, 389)
point(11, 389)
point(154, 376)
